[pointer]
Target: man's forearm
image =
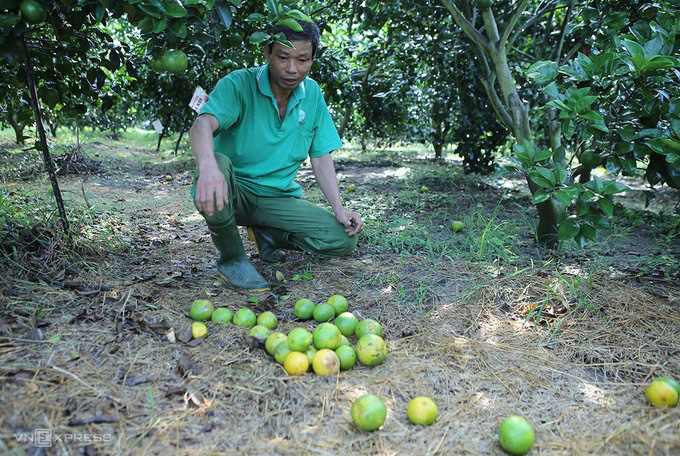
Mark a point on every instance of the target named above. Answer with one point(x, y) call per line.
point(324, 172)
point(201, 140)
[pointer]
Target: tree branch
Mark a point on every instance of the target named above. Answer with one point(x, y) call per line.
point(467, 27)
point(491, 26)
point(497, 104)
point(563, 33)
point(513, 22)
point(531, 21)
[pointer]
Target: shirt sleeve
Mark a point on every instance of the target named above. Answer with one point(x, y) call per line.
point(224, 103)
point(326, 138)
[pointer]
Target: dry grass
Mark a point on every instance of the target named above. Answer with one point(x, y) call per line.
point(581, 385)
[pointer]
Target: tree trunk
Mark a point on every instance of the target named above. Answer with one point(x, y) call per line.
point(165, 129)
point(550, 210)
point(345, 120)
point(18, 127)
point(43, 138)
point(181, 132)
point(438, 148)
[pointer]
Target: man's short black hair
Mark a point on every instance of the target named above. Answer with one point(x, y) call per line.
point(310, 32)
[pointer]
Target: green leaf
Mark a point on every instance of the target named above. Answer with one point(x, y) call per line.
point(54, 339)
point(612, 187)
point(307, 276)
point(547, 174)
point(540, 179)
point(568, 228)
point(9, 20)
point(253, 299)
point(297, 14)
point(236, 3)
point(675, 126)
point(540, 196)
point(633, 48)
point(560, 173)
point(582, 103)
point(178, 28)
point(673, 158)
point(525, 152)
point(224, 12)
point(664, 145)
point(592, 115)
point(100, 12)
point(543, 155)
point(255, 17)
point(542, 72)
point(606, 205)
point(259, 37)
point(153, 10)
point(272, 6)
point(589, 231)
point(174, 8)
point(291, 24)
point(564, 197)
point(626, 133)
point(557, 104)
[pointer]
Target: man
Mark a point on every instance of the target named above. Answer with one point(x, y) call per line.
point(249, 141)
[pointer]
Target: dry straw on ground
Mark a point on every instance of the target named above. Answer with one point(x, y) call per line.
point(576, 368)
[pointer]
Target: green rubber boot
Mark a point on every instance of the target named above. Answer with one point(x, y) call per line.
point(267, 244)
point(233, 264)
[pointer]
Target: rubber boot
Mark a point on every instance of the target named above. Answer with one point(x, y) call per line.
point(267, 245)
point(233, 264)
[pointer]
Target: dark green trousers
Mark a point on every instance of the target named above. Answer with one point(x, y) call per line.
point(301, 223)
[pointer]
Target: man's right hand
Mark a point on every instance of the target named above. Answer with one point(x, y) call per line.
point(211, 191)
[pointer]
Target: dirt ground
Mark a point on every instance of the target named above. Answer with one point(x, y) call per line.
point(568, 341)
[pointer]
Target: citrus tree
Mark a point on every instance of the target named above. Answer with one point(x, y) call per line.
point(509, 36)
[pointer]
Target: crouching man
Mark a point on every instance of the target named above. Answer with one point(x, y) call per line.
point(249, 141)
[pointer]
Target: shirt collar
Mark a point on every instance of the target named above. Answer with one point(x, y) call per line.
point(266, 89)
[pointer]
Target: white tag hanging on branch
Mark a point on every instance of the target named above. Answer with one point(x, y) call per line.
point(198, 99)
point(158, 126)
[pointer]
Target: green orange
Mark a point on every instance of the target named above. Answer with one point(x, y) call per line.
point(339, 303)
point(368, 326)
point(175, 61)
point(326, 335)
point(245, 318)
point(201, 310)
point(273, 341)
point(347, 357)
point(346, 323)
point(516, 435)
point(267, 319)
point(282, 350)
point(371, 350)
point(323, 312)
point(222, 315)
point(304, 308)
point(422, 410)
point(369, 412)
point(299, 339)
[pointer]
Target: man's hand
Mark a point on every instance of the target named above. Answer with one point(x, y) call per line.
point(351, 220)
point(211, 191)
point(211, 188)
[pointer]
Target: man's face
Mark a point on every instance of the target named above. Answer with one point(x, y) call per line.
point(289, 67)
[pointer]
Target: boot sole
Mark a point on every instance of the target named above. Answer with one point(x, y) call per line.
point(252, 290)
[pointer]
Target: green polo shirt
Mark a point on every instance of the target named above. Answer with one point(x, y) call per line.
point(267, 153)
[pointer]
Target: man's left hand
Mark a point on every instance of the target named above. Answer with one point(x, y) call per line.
point(351, 220)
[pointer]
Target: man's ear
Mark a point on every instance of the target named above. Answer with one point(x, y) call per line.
point(267, 54)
